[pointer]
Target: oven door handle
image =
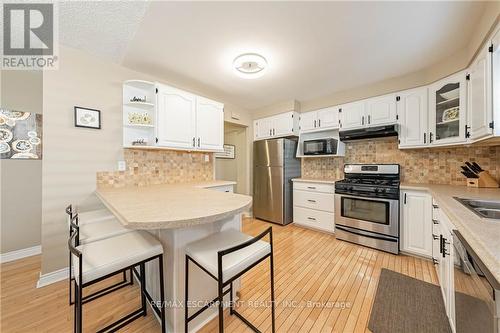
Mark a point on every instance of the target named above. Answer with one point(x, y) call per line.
point(364, 234)
point(367, 198)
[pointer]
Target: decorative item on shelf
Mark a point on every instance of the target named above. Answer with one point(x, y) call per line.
point(139, 118)
point(228, 153)
point(87, 118)
point(451, 114)
point(140, 142)
point(20, 135)
point(138, 99)
point(477, 176)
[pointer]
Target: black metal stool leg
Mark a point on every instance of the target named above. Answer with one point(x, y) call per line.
point(162, 293)
point(272, 291)
point(143, 289)
point(186, 294)
point(221, 306)
point(78, 302)
point(231, 302)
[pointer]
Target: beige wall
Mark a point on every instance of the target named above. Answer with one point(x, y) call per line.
point(21, 180)
point(234, 169)
point(72, 156)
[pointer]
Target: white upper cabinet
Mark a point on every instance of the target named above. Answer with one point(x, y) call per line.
point(495, 49)
point(327, 118)
point(209, 124)
point(447, 110)
point(416, 217)
point(281, 125)
point(352, 116)
point(381, 110)
point(186, 121)
point(308, 121)
point(479, 101)
point(176, 118)
point(284, 124)
point(412, 108)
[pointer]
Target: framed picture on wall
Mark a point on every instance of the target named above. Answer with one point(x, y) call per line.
point(229, 152)
point(87, 118)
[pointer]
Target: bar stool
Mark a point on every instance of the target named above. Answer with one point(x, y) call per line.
point(225, 256)
point(96, 261)
point(96, 225)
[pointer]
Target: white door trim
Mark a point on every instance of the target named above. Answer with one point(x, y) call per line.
point(19, 254)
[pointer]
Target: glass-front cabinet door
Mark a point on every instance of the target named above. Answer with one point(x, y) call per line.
point(447, 110)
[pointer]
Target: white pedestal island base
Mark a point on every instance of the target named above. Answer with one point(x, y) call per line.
point(202, 287)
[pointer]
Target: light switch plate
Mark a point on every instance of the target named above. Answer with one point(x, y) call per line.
point(207, 158)
point(122, 165)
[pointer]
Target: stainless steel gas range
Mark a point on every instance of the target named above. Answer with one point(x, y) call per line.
point(367, 206)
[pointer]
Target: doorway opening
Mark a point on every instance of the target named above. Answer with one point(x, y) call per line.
point(234, 169)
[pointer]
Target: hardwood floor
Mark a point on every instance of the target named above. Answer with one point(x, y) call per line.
point(321, 285)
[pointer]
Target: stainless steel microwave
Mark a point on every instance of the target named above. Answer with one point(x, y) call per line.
point(320, 147)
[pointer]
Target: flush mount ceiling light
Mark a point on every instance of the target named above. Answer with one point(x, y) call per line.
point(249, 65)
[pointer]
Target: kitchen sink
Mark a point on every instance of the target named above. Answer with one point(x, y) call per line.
point(484, 208)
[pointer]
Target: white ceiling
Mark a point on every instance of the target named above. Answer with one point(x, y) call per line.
point(313, 48)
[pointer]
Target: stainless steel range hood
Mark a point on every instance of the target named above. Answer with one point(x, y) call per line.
point(368, 133)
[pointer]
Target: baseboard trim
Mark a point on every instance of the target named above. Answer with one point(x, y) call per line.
point(52, 277)
point(20, 254)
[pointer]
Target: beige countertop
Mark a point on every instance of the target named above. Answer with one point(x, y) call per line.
point(172, 206)
point(312, 180)
point(482, 235)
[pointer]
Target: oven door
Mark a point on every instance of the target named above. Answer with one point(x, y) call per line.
point(371, 214)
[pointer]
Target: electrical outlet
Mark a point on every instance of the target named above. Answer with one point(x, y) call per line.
point(122, 166)
point(207, 158)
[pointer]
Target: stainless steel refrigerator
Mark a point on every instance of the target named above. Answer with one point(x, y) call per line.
point(275, 165)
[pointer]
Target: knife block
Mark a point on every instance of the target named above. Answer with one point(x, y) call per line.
point(484, 180)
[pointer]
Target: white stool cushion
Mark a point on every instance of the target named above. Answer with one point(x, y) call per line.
point(101, 230)
point(204, 252)
point(93, 216)
point(112, 254)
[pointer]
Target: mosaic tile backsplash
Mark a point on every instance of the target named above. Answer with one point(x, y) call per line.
point(431, 166)
point(152, 167)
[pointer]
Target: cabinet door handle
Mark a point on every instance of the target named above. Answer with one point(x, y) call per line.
point(274, 132)
point(435, 221)
point(362, 120)
point(315, 124)
point(440, 243)
point(435, 237)
point(311, 218)
point(430, 137)
point(311, 187)
point(434, 261)
point(198, 142)
point(404, 201)
point(270, 132)
point(425, 137)
point(369, 119)
point(319, 122)
point(194, 142)
point(311, 200)
point(435, 206)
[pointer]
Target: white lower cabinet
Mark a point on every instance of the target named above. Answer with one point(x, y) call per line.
point(444, 260)
point(416, 223)
point(313, 205)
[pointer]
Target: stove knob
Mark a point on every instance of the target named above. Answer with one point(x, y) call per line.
point(383, 190)
point(376, 190)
